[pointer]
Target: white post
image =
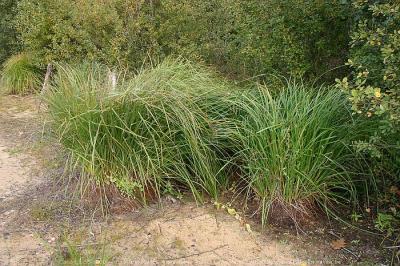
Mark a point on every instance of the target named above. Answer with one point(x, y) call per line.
point(112, 79)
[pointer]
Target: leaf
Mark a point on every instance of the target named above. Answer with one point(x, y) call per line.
point(217, 205)
point(394, 190)
point(338, 244)
point(248, 228)
point(231, 211)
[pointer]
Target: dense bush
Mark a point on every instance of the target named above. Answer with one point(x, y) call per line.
point(258, 37)
point(8, 35)
point(295, 149)
point(153, 133)
point(374, 85)
point(245, 38)
point(19, 75)
point(63, 30)
point(177, 127)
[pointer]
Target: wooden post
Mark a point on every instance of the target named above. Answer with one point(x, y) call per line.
point(46, 82)
point(47, 78)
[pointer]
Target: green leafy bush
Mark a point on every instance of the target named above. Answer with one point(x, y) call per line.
point(374, 84)
point(19, 75)
point(244, 38)
point(62, 30)
point(154, 130)
point(256, 37)
point(8, 35)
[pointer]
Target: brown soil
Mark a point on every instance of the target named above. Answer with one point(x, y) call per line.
point(40, 224)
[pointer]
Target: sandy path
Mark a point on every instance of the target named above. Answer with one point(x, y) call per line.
point(14, 176)
point(17, 246)
point(19, 243)
point(191, 235)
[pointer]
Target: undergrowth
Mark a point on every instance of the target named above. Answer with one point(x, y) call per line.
point(19, 75)
point(294, 149)
point(153, 130)
point(177, 127)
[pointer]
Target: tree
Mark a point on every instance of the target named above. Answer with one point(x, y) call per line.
point(8, 35)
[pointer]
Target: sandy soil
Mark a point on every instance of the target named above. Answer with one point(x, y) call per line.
point(18, 175)
point(191, 235)
point(14, 174)
point(41, 225)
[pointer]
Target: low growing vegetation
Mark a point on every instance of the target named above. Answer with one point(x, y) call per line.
point(295, 148)
point(153, 130)
point(177, 127)
point(19, 75)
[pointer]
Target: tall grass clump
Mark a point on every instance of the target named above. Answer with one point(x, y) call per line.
point(294, 149)
point(154, 133)
point(19, 75)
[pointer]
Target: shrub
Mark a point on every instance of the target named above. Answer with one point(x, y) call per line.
point(155, 132)
point(374, 87)
point(20, 75)
point(8, 38)
point(240, 38)
point(295, 149)
point(176, 127)
point(62, 30)
point(258, 37)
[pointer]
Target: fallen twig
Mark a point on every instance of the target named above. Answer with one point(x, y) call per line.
point(197, 254)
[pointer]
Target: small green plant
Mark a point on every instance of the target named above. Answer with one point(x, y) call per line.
point(41, 213)
point(385, 222)
point(355, 217)
point(19, 75)
point(72, 253)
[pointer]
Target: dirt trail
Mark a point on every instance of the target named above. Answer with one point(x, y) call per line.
point(14, 175)
point(193, 235)
point(17, 246)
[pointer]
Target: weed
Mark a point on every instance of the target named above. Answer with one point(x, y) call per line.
point(72, 253)
point(177, 127)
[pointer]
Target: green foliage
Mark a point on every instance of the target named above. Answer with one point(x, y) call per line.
point(176, 127)
point(8, 38)
point(62, 30)
point(257, 37)
point(387, 223)
point(19, 75)
point(374, 84)
point(294, 148)
point(73, 252)
point(374, 88)
point(244, 38)
point(153, 130)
